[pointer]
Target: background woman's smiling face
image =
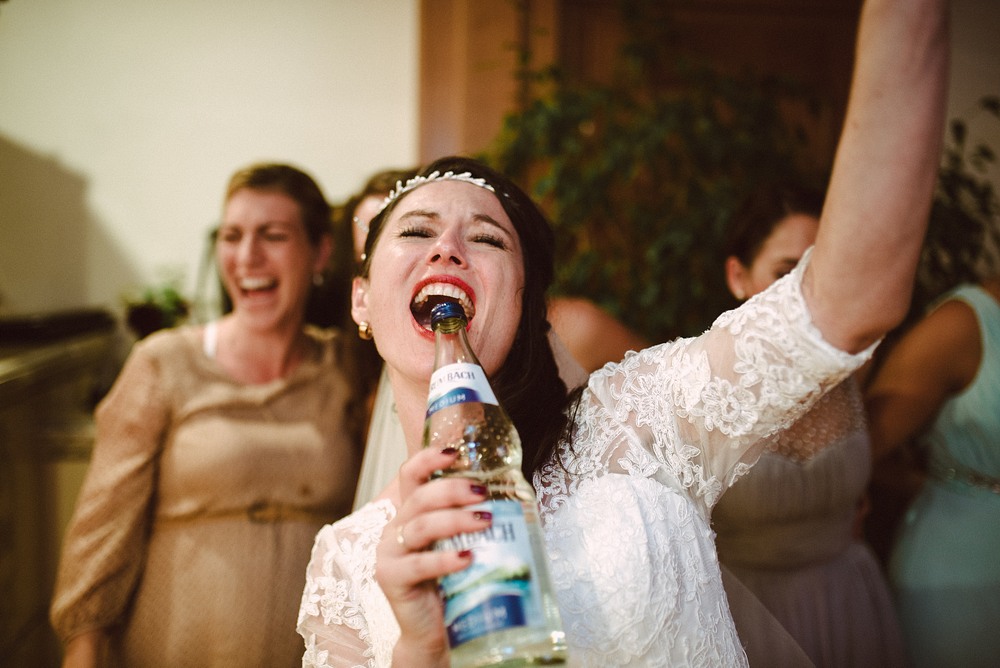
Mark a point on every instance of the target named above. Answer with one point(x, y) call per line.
point(453, 231)
point(265, 257)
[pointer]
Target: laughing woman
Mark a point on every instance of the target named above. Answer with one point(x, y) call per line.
point(220, 451)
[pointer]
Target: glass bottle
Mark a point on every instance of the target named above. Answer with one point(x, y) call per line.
point(501, 609)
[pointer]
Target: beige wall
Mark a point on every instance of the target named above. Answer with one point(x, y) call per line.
point(120, 121)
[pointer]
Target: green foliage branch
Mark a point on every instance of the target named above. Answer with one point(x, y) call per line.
point(963, 236)
point(640, 175)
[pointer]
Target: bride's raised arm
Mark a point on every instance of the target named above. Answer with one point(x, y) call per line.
point(860, 277)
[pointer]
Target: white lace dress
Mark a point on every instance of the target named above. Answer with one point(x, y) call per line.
point(626, 510)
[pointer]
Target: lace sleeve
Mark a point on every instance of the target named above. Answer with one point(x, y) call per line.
point(344, 618)
point(693, 413)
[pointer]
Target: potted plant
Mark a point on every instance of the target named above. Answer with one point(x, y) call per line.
point(156, 307)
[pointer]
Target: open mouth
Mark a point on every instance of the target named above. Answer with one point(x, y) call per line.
point(433, 294)
point(250, 284)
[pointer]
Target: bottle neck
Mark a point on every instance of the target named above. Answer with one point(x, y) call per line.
point(458, 376)
point(451, 346)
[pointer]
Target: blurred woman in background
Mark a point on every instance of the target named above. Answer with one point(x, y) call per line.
point(789, 530)
point(939, 387)
point(220, 451)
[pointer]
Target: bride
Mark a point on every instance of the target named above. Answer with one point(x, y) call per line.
point(628, 472)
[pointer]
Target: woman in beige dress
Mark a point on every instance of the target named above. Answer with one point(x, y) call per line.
point(220, 451)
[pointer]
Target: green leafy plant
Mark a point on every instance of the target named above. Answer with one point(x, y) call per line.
point(963, 237)
point(156, 307)
point(641, 175)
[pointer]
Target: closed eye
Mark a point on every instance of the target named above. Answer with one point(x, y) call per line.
point(783, 269)
point(490, 239)
point(418, 231)
point(228, 236)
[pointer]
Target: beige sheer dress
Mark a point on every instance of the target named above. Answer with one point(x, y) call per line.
point(785, 530)
point(193, 529)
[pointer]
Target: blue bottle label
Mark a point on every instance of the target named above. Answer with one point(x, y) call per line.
point(497, 591)
point(459, 383)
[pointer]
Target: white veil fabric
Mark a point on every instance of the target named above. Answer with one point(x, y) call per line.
point(385, 449)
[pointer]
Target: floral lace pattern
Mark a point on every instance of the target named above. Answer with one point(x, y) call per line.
point(626, 507)
point(659, 437)
point(345, 618)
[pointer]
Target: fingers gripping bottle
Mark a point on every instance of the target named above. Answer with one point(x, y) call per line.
point(501, 609)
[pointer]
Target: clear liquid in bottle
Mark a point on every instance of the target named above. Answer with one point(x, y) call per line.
point(500, 611)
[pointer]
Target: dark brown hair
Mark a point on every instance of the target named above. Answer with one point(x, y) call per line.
point(528, 383)
point(760, 213)
point(290, 181)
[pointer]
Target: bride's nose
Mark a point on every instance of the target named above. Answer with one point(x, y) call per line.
point(448, 248)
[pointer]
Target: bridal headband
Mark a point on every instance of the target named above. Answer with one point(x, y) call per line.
point(417, 181)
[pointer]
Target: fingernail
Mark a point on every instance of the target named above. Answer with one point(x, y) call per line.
point(483, 515)
point(478, 489)
point(449, 450)
point(465, 554)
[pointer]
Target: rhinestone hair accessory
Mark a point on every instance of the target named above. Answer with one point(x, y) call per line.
point(417, 181)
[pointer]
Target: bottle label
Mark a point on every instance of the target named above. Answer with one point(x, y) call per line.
point(458, 383)
point(497, 591)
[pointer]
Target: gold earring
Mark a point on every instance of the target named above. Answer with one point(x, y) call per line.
point(365, 331)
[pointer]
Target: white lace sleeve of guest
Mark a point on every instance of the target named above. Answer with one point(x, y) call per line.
point(344, 618)
point(692, 413)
